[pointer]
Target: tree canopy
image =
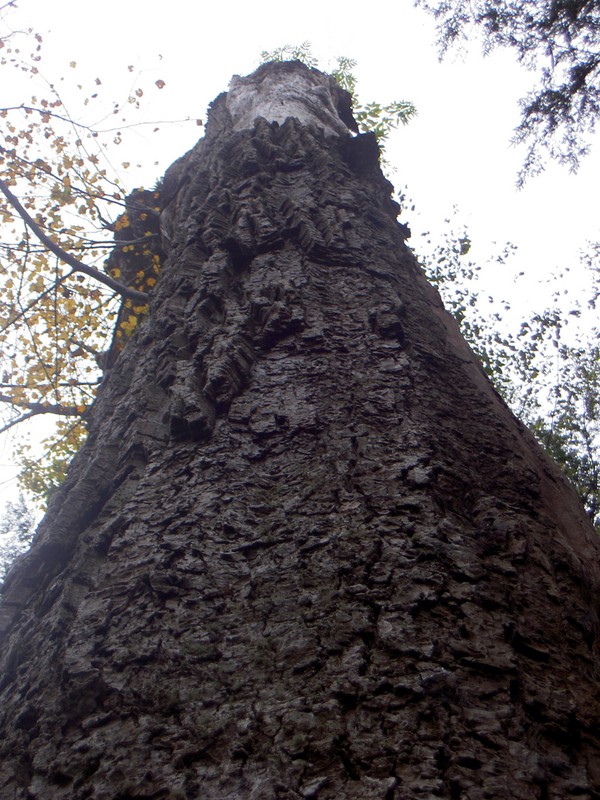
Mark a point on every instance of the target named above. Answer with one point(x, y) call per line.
point(559, 40)
point(64, 211)
point(16, 532)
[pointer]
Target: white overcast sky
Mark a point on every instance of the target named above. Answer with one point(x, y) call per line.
point(456, 152)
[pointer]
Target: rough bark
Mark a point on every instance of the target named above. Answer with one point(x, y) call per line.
point(307, 552)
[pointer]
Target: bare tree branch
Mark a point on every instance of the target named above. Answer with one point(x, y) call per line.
point(61, 385)
point(41, 408)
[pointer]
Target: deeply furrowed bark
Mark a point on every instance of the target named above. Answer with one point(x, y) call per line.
point(307, 552)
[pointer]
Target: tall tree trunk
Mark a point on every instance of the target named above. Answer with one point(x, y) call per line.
point(307, 552)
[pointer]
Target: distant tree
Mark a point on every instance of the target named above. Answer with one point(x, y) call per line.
point(17, 527)
point(559, 40)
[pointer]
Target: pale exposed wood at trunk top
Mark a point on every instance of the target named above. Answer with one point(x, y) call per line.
point(278, 91)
